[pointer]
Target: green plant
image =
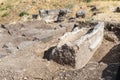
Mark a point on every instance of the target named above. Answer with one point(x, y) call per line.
point(87, 1)
point(2, 9)
point(69, 6)
point(5, 14)
point(8, 6)
point(23, 13)
point(5, 8)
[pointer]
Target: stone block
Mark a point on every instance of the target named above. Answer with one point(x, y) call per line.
point(76, 48)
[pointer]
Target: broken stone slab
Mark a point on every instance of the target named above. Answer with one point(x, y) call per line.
point(76, 48)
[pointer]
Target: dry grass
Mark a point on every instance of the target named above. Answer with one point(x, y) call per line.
point(15, 7)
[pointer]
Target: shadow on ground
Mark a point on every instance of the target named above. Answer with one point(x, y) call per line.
point(112, 59)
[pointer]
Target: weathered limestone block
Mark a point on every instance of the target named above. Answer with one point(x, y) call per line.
point(76, 48)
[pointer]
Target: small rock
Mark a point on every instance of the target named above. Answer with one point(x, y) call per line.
point(118, 9)
point(72, 19)
point(93, 8)
point(34, 16)
point(62, 14)
point(81, 14)
point(3, 26)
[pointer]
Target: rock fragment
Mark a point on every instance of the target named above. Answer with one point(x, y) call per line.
point(81, 14)
point(117, 9)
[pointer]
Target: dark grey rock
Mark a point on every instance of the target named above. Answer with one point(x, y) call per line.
point(62, 14)
point(118, 9)
point(72, 19)
point(64, 55)
point(93, 8)
point(81, 14)
point(34, 16)
point(3, 26)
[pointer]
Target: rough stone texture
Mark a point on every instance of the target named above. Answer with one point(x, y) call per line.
point(80, 43)
point(88, 44)
point(65, 55)
point(81, 14)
